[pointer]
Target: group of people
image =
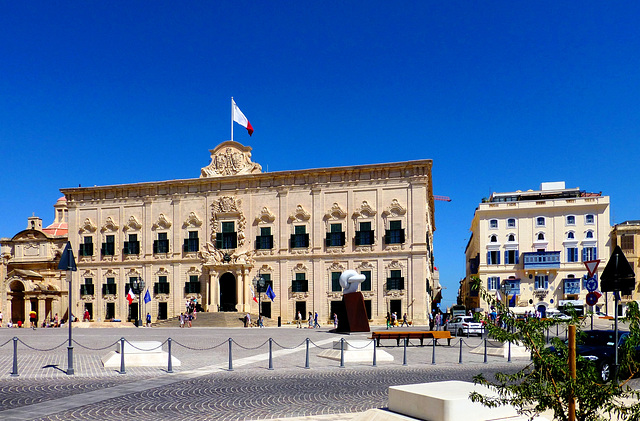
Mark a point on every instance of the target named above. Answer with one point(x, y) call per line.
point(313, 320)
point(33, 321)
point(392, 320)
point(189, 315)
point(247, 320)
point(436, 320)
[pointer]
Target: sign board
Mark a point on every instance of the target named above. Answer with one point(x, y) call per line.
point(592, 298)
point(617, 274)
point(592, 266)
point(591, 284)
point(67, 261)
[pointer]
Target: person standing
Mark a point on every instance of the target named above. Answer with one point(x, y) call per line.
point(181, 319)
point(394, 319)
point(148, 320)
point(335, 320)
point(299, 320)
point(310, 317)
point(32, 319)
point(249, 319)
point(388, 320)
point(431, 321)
point(0, 318)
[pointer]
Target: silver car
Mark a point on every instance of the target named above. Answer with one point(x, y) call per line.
point(465, 325)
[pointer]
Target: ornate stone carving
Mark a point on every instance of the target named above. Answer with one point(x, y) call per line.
point(109, 225)
point(226, 204)
point(213, 256)
point(299, 295)
point(162, 222)
point(132, 224)
point(365, 266)
point(300, 267)
point(299, 214)
point(363, 249)
point(394, 210)
point(230, 158)
point(394, 265)
point(364, 211)
point(336, 267)
point(264, 217)
point(161, 272)
point(228, 207)
point(334, 295)
point(336, 250)
point(133, 273)
point(394, 293)
point(335, 213)
point(192, 221)
point(87, 226)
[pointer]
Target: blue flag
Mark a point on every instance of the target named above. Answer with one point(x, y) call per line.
point(147, 297)
point(512, 301)
point(270, 293)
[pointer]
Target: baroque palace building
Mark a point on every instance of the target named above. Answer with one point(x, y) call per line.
point(532, 245)
point(210, 237)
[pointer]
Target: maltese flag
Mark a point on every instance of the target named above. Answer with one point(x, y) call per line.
point(239, 118)
point(130, 296)
point(253, 294)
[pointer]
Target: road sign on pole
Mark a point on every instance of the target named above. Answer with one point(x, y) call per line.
point(592, 266)
point(617, 274)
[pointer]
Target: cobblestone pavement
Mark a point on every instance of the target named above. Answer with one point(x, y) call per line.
point(202, 387)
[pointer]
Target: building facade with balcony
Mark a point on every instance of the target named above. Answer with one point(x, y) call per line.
point(533, 245)
point(627, 236)
point(208, 237)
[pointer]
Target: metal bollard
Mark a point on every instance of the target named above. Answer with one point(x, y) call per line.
point(509, 353)
point(460, 357)
point(547, 335)
point(374, 353)
point(169, 364)
point(485, 350)
point(433, 353)
point(306, 362)
point(341, 352)
point(557, 330)
point(270, 355)
point(404, 357)
point(122, 369)
point(14, 373)
point(230, 355)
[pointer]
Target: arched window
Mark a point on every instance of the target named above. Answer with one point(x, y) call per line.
point(570, 235)
point(541, 236)
point(589, 234)
point(494, 239)
point(511, 237)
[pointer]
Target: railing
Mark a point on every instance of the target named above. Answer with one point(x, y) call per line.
point(541, 259)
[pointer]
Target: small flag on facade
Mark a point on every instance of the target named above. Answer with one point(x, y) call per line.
point(130, 296)
point(147, 297)
point(512, 301)
point(253, 294)
point(270, 293)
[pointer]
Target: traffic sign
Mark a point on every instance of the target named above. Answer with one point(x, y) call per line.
point(618, 274)
point(592, 298)
point(591, 284)
point(67, 261)
point(592, 266)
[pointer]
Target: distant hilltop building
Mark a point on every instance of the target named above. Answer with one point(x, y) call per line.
point(210, 237)
point(528, 247)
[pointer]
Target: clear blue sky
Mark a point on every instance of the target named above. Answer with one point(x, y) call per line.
point(501, 95)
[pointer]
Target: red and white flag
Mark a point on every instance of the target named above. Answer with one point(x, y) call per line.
point(253, 294)
point(130, 296)
point(239, 118)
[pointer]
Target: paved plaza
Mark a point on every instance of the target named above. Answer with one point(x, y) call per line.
point(203, 387)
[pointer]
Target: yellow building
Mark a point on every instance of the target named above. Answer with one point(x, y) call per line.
point(209, 237)
point(529, 247)
point(627, 236)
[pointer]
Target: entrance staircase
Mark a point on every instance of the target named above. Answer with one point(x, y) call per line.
point(219, 319)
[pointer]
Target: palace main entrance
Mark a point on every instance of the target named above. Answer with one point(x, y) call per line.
point(228, 296)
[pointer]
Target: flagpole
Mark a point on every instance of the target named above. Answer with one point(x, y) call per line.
point(231, 118)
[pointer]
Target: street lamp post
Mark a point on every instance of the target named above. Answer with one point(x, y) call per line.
point(259, 283)
point(138, 285)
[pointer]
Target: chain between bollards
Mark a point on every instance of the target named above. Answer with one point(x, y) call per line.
point(270, 354)
point(341, 352)
point(14, 373)
point(122, 368)
point(306, 361)
point(230, 355)
point(169, 364)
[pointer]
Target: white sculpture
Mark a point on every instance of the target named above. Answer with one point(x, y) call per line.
point(349, 281)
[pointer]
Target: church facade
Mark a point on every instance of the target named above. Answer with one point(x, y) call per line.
point(211, 238)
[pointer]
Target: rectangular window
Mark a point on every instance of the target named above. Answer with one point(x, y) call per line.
point(626, 243)
point(365, 236)
point(572, 286)
point(228, 238)
point(335, 282)
point(493, 283)
point(87, 288)
point(589, 253)
point(572, 254)
point(110, 287)
point(300, 284)
point(193, 286)
point(191, 244)
point(267, 282)
point(109, 246)
point(366, 284)
point(395, 233)
point(395, 281)
point(589, 219)
point(511, 223)
point(493, 257)
point(511, 257)
point(132, 246)
point(541, 282)
point(161, 245)
point(300, 238)
point(513, 286)
point(264, 241)
point(86, 249)
point(162, 286)
point(336, 237)
point(493, 224)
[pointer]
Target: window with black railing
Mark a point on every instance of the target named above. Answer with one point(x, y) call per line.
point(395, 281)
point(191, 244)
point(132, 246)
point(264, 241)
point(336, 237)
point(86, 248)
point(300, 238)
point(161, 245)
point(109, 246)
point(395, 233)
point(110, 287)
point(193, 286)
point(87, 287)
point(228, 238)
point(162, 286)
point(365, 235)
point(300, 284)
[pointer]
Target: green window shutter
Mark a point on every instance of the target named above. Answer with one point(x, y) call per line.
point(219, 240)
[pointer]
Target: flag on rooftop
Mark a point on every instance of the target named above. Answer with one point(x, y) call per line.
point(239, 117)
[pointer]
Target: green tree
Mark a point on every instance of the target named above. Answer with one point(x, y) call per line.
point(546, 383)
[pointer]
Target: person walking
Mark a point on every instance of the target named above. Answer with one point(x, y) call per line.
point(394, 319)
point(310, 317)
point(148, 320)
point(181, 319)
point(335, 320)
point(0, 318)
point(388, 320)
point(315, 321)
point(32, 319)
point(299, 320)
point(404, 320)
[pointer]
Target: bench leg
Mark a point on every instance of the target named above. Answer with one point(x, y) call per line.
point(449, 342)
point(398, 341)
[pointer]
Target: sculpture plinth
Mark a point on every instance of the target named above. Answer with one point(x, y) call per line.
point(352, 315)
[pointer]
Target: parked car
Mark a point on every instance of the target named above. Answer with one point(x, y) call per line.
point(464, 325)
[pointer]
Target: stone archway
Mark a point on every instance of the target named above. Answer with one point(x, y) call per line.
point(17, 301)
point(227, 288)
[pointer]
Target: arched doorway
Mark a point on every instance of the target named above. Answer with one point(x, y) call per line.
point(543, 310)
point(17, 301)
point(228, 298)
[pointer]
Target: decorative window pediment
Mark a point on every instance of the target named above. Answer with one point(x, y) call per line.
point(335, 213)
point(132, 224)
point(194, 271)
point(265, 217)
point(336, 267)
point(192, 221)
point(394, 210)
point(364, 211)
point(133, 273)
point(299, 214)
point(230, 158)
point(110, 274)
point(300, 268)
point(226, 205)
point(161, 272)
point(395, 264)
point(87, 226)
point(266, 269)
point(365, 266)
point(87, 274)
point(161, 222)
point(228, 208)
point(109, 225)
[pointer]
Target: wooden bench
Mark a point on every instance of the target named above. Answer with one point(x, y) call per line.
point(412, 334)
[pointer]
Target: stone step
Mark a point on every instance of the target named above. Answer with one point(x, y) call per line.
point(217, 319)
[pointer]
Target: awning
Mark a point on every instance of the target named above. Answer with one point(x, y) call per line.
point(522, 310)
point(575, 303)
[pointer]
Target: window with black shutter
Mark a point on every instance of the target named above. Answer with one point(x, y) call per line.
point(395, 233)
point(300, 284)
point(86, 248)
point(191, 244)
point(335, 238)
point(300, 238)
point(228, 238)
point(109, 246)
point(364, 236)
point(132, 246)
point(161, 245)
point(264, 241)
point(162, 286)
point(395, 281)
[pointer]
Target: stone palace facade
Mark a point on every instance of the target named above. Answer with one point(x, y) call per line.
point(210, 237)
